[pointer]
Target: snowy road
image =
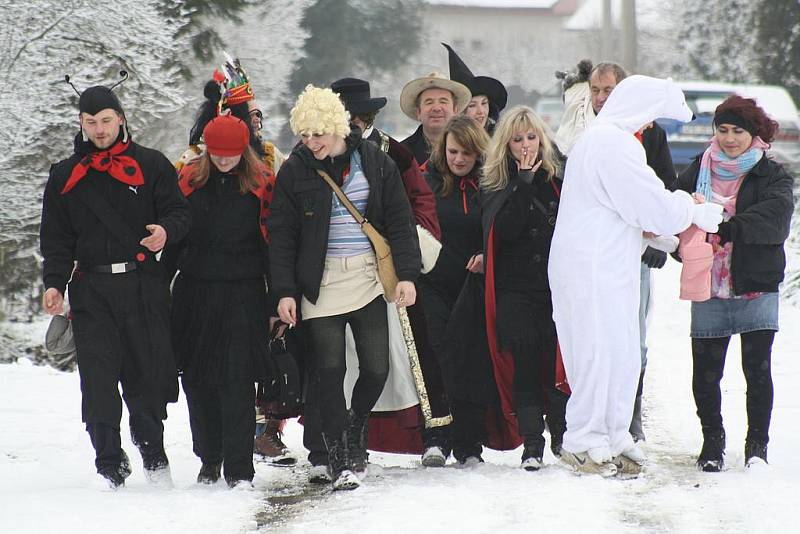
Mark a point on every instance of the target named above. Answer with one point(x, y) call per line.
point(47, 482)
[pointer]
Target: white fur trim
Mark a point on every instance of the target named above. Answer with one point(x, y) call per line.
point(430, 247)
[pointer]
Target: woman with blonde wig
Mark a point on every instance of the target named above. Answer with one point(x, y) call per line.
point(324, 268)
point(522, 181)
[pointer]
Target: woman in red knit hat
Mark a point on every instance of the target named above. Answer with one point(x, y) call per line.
point(219, 299)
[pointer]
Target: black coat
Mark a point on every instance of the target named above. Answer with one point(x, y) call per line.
point(459, 216)
point(522, 219)
point(418, 145)
point(70, 231)
point(299, 220)
point(654, 141)
point(764, 207)
point(225, 241)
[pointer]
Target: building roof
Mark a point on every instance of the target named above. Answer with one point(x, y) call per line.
point(497, 4)
point(589, 16)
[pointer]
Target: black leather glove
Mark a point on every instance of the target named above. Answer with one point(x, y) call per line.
point(526, 175)
point(654, 258)
point(725, 232)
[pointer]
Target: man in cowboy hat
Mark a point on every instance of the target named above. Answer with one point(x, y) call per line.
point(431, 100)
point(489, 96)
point(111, 206)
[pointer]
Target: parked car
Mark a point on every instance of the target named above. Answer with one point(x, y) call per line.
point(687, 140)
point(550, 109)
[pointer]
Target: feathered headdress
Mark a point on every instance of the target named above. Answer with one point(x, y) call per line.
point(234, 85)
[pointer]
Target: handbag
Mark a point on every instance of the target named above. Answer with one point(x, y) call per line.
point(697, 258)
point(59, 341)
point(383, 253)
point(281, 394)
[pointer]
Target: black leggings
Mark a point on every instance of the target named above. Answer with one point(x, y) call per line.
point(708, 355)
point(371, 335)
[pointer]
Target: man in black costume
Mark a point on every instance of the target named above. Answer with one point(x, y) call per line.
point(110, 207)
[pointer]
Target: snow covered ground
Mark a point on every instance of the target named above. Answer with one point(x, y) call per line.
point(47, 480)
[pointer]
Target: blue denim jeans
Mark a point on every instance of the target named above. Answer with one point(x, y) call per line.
point(716, 318)
point(644, 309)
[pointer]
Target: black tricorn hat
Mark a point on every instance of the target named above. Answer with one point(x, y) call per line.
point(354, 93)
point(494, 90)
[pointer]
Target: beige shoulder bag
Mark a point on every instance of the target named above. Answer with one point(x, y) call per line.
point(383, 252)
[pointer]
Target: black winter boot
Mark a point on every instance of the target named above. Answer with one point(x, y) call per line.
point(209, 473)
point(711, 455)
point(357, 438)
point(116, 475)
point(556, 418)
point(753, 451)
point(531, 427)
point(341, 474)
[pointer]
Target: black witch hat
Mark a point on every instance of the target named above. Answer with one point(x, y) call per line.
point(494, 90)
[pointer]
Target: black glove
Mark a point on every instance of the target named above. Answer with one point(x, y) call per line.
point(725, 232)
point(526, 175)
point(654, 258)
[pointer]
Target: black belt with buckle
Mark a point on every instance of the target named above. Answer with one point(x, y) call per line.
point(114, 268)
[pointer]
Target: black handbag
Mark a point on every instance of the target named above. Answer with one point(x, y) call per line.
point(281, 394)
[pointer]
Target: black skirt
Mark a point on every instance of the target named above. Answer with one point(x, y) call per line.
point(220, 330)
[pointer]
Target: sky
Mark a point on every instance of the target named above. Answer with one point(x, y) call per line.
point(48, 484)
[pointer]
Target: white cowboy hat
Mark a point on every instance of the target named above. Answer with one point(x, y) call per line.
point(434, 80)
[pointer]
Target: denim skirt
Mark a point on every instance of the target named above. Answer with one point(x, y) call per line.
point(726, 317)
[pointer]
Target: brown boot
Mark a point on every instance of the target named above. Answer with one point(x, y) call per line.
point(270, 447)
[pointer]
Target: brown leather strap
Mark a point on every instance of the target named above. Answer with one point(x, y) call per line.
point(360, 219)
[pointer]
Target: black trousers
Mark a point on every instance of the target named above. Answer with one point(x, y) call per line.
point(468, 430)
point(222, 419)
point(708, 356)
point(121, 328)
point(436, 305)
point(371, 334)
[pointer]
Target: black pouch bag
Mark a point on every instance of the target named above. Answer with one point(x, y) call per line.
point(281, 394)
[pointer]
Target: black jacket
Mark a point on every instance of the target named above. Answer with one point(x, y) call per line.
point(70, 231)
point(764, 207)
point(418, 145)
point(654, 141)
point(300, 215)
point(523, 216)
point(225, 241)
point(459, 216)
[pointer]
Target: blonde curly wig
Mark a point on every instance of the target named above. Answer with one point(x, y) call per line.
point(319, 111)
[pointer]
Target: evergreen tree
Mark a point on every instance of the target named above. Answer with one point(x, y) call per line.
point(719, 40)
point(778, 45)
point(361, 38)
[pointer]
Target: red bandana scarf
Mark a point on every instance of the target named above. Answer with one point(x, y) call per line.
point(122, 168)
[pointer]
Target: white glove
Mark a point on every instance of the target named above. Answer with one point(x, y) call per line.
point(707, 216)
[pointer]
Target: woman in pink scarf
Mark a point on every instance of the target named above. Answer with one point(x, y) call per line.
point(748, 266)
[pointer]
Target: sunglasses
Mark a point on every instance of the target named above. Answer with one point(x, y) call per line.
point(257, 113)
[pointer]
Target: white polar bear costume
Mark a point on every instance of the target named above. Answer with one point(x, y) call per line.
point(609, 197)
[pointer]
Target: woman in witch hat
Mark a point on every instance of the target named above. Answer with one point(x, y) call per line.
point(489, 96)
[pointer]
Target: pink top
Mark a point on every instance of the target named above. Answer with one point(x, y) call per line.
point(724, 192)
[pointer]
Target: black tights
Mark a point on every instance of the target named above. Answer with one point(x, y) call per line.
point(708, 355)
point(371, 335)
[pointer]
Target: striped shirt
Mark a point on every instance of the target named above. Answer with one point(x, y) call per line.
point(345, 237)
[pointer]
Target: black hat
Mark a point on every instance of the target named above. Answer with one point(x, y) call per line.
point(494, 90)
point(95, 99)
point(354, 93)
